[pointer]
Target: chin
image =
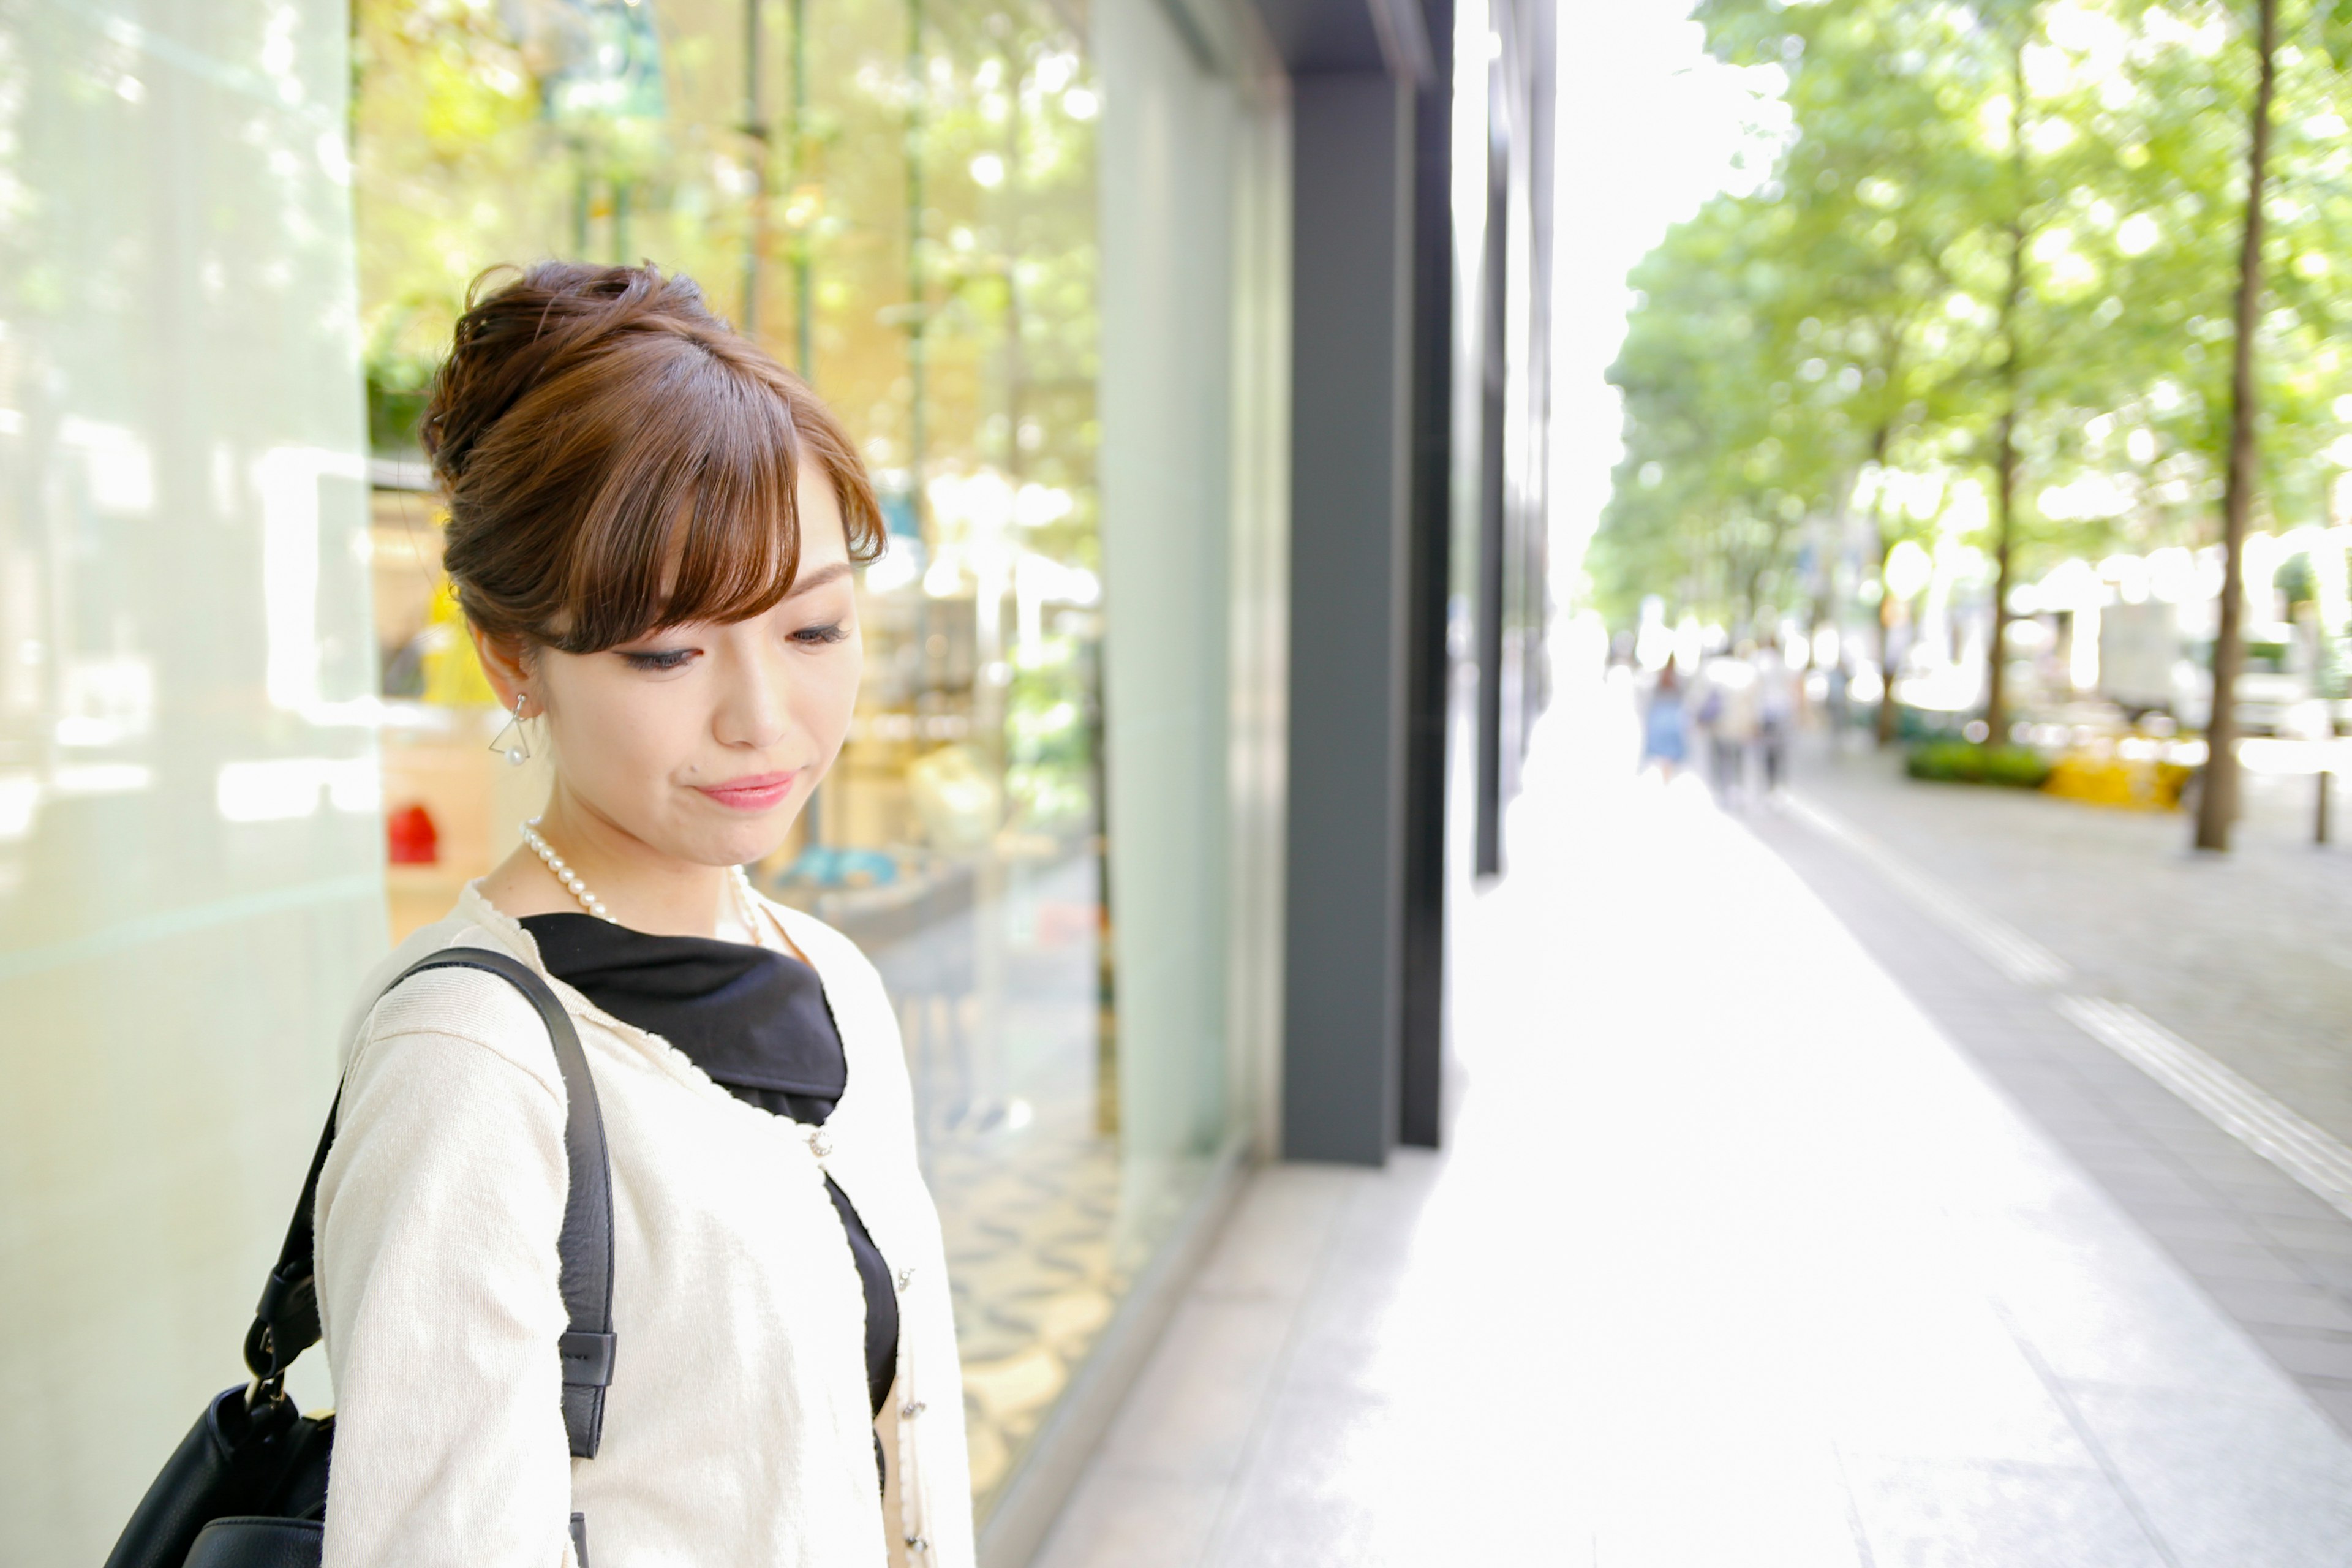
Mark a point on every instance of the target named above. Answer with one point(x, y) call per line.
point(742, 843)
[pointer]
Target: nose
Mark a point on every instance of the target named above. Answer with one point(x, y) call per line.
point(754, 710)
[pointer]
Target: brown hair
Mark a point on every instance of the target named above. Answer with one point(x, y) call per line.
point(617, 459)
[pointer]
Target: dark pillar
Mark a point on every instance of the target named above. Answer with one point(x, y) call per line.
point(1351, 444)
point(1494, 516)
point(1428, 591)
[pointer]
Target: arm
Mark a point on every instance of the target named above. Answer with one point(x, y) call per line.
point(437, 1218)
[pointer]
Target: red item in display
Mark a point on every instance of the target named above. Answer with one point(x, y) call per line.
point(411, 837)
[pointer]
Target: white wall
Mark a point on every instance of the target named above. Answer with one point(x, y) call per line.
point(190, 851)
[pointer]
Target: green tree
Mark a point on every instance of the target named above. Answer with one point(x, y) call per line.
point(2000, 238)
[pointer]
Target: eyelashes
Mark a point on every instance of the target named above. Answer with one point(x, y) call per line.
point(660, 660)
point(668, 658)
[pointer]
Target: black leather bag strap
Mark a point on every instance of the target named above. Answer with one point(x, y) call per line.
point(287, 1323)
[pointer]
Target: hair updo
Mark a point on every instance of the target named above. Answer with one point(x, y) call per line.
point(617, 458)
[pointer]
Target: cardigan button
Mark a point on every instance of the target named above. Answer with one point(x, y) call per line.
point(911, 1409)
point(906, 1279)
point(917, 1544)
point(819, 1144)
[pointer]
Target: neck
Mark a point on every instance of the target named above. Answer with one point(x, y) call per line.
point(639, 887)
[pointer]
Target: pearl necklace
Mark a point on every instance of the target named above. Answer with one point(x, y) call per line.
point(736, 879)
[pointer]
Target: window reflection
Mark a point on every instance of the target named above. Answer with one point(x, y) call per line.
point(898, 196)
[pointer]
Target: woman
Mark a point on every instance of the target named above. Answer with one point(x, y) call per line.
point(1663, 725)
point(652, 531)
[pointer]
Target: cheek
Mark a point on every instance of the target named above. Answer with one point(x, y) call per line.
point(618, 739)
point(828, 697)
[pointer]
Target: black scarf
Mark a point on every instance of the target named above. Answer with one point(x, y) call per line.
point(756, 1021)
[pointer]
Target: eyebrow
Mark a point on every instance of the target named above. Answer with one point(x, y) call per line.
point(818, 579)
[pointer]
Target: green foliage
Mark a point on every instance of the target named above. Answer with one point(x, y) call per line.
point(1805, 357)
point(916, 213)
point(1926, 723)
point(1049, 752)
point(1965, 762)
point(2296, 580)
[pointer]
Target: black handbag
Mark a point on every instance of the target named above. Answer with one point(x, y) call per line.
point(247, 1486)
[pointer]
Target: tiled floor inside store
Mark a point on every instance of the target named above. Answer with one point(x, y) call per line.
point(1046, 1216)
point(1734, 1256)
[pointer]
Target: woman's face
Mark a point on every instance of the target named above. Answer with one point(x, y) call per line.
point(703, 742)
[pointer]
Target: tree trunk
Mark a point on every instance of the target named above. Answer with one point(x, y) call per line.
point(2003, 548)
point(2216, 801)
point(2005, 445)
point(1883, 728)
point(755, 129)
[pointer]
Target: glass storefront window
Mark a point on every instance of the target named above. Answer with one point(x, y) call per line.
point(189, 833)
point(899, 197)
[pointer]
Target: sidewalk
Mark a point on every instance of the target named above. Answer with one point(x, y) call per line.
point(2168, 1020)
point(2249, 954)
point(1732, 1258)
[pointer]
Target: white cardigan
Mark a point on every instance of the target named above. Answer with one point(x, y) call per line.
point(737, 1426)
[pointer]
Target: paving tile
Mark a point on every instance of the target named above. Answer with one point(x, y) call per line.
point(2091, 1131)
point(1347, 1477)
point(1920, 1515)
point(2127, 1164)
point(2332, 1270)
point(2235, 1262)
point(2275, 1200)
point(2275, 1479)
point(2149, 1104)
point(2285, 1305)
point(2165, 1334)
point(1277, 1231)
point(2312, 1352)
point(1128, 1521)
point(2137, 1187)
point(1950, 1384)
point(2333, 1397)
point(2306, 1235)
point(2089, 1127)
point(1279, 1525)
point(1190, 1413)
point(2193, 1222)
point(2229, 1164)
point(2198, 1133)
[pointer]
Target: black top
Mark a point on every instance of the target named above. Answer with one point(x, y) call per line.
point(756, 1021)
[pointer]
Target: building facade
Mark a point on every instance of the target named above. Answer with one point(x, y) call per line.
point(1197, 348)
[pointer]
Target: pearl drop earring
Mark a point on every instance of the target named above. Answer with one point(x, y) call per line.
point(518, 751)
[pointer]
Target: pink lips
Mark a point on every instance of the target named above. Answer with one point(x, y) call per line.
point(752, 792)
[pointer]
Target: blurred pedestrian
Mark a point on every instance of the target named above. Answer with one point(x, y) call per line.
point(1665, 726)
point(1776, 711)
point(1726, 713)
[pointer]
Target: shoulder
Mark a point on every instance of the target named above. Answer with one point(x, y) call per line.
point(849, 977)
point(456, 1004)
point(867, 1022)
point(834, 955)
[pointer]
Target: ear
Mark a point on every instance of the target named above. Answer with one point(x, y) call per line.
point(505, 662)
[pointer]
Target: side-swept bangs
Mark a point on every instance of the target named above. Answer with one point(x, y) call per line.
point(618, 460)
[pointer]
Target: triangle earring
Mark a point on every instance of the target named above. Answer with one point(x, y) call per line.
point(517, 750)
